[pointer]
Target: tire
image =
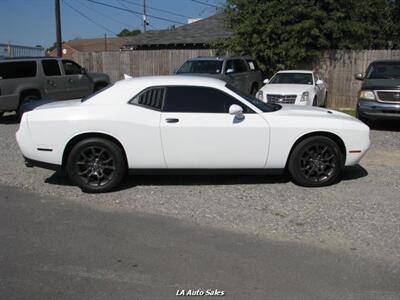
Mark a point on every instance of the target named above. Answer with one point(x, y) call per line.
point(316, 161)
point(366, 121)
point(24, 99)
point(254, 89)
point(325, 99)
point(96, 165)
point(315, 101)
point(99, 86)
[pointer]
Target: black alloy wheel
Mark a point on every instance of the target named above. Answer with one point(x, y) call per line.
point(315, 162)
point(96, 165)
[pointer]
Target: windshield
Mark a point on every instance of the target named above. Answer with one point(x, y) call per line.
point(384, 70)
point(201, 66)
point(264, 107)
point(292, 78)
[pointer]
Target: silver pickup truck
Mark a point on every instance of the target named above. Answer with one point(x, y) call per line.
point(241, 72)
point(27, 79)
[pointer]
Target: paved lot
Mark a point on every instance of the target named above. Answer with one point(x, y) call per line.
point(53, 248)
point(360, 215)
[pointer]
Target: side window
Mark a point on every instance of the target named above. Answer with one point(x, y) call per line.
point(151, 98)
point(71, 68)
point(239, 66)
point(252, 65)
point(19, 69)
point(229, 65)
point(51, 67)
point(192, 99)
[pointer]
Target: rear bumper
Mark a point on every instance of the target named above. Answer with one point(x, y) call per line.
point(378, 110)
point(30, 163)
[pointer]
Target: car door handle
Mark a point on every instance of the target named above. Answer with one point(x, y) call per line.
point(51, 82)
point(71, 80)
point(172, 120)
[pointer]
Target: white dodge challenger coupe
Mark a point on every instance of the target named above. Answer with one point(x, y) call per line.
point(182, 123)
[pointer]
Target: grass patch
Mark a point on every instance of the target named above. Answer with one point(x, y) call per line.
point(349, 111)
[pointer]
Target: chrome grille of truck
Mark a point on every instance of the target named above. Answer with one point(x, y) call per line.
point(285, 99)
point(389, 96)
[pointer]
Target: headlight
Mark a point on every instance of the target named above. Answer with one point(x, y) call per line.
point(260, 95)
point(305, 96)
point(368, 95)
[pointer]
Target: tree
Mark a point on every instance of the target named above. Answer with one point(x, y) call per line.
point(127, 32)
point(290, 33)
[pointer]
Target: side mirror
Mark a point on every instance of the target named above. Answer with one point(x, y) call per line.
point(266, 80)
point(359, 76)
point(83, 71)
point(229, 71)
point(319, 81)
point(236, 110)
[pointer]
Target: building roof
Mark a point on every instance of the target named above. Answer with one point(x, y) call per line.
point(96, 44)
point(199, 34)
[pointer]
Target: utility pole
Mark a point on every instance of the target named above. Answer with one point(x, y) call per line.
point(105, 42)
point(144, 16)
point(58, 28)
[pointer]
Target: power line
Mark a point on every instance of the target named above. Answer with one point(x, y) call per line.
point(157, 9)
point(206, 3)
point(119, 1)
point(135, 12)
point(104, 15)
point(90, 19)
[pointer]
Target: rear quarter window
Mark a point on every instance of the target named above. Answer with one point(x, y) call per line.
point(18, 69)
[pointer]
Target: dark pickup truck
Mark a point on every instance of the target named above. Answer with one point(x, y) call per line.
point(379, 97)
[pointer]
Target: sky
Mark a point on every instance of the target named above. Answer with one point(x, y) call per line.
point(32, 22)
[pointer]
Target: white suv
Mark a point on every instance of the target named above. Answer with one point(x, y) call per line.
point(295, 87)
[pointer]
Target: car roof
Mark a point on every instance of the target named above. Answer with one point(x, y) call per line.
point(296, 71)
point(172, 80)
point(27, 58)
point(219, 58)
point(386, 61)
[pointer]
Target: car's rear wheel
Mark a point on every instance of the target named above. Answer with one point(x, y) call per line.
point(316, 161)
point(24, 99)
point(96, 165)
point(99, 86)
point(315, 101)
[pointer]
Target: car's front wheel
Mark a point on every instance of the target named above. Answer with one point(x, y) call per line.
point(316, 161)
point(96, 165)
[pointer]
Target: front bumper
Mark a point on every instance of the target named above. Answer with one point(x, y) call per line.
point(378, 110)
point(30, 163)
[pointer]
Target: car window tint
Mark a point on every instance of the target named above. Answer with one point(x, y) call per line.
point(19, 69)
point(71, 68)
point(191, 99)
point(150, 98)
point(51, 67)
point(201, 66)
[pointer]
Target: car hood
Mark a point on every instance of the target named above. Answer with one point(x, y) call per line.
point(381, 84)
point(311, 111)
point(286, 89)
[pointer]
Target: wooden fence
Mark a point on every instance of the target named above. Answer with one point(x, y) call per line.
point(339, 67)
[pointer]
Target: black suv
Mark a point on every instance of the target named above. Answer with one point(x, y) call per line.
point(25, 79)
point(379, 97)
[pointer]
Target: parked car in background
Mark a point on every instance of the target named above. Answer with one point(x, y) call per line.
point(241, 72)
point(181, 123)
point(295, 87)
point(26, 79)
point(379, 97)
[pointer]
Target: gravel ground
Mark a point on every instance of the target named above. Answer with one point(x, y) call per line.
point(360, 214)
